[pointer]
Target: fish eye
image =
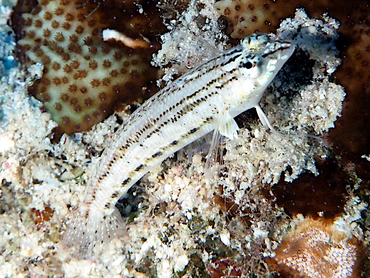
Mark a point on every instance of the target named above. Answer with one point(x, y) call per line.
point(251, 68)
point(248, 65)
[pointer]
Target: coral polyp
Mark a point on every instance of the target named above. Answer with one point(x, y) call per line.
point(315, 249)
point(85, 79)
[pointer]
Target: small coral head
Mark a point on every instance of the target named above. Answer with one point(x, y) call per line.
point(85, 78)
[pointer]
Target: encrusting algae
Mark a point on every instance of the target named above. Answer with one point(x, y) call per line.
point(181, 222)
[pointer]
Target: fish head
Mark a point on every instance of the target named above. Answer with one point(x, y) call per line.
point(263, 58)
point(256, 61)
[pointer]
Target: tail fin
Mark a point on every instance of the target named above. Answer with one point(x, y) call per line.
point(88, 231)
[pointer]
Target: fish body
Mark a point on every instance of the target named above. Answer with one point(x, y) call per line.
point(206, 98)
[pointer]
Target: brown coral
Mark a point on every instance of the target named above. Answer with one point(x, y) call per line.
point(314, 249)
point(85, 78)
point(321, 196)
point(248, 17)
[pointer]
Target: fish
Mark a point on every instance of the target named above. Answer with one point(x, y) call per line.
point(205, 99)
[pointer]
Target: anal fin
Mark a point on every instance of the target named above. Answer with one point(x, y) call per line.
point(226, 127)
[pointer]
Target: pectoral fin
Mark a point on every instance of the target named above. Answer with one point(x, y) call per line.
point(265, 121)
point(228, 127)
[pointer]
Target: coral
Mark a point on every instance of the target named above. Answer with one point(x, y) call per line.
point(245, 17)
point(351, 136)
point(180, 229)
point(199, 43)
point(321, 196)
point(85, 79)
point(314, 249)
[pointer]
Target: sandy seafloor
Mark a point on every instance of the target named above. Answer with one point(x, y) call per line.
point(179, 228)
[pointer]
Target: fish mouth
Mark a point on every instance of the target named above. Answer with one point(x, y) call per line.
point(285, 49)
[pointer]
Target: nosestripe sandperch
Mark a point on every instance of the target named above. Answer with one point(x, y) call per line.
point(206, 98)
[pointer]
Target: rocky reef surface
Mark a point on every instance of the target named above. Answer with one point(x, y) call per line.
point(256, 211)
